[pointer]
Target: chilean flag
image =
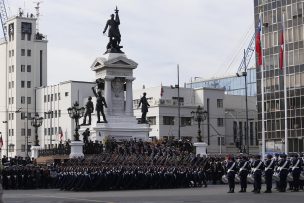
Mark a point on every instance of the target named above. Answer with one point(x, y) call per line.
point(282, 46)
point(258, 47)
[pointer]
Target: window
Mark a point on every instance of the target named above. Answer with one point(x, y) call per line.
point(23, 148)
point(13, 84)
point(45, 131)
point(9, 85)
point(185, 121)
point(29, 100)
point(22, 99)
point(29, 36)
point(13, 52)
point(52, 97)
point(22, 131)
point(29, 132)
point(22, 115)
point(168, 120)
point(59, 113)
point(9, 53)
point(29, 68)
point(28, 84)
point(44, 98)
point(12, 116)
point(151, 119)
point(22, 68)
point(11, 148)
point(12, 100)
point(22, 36)
point(29, 52)
point(220, 122)
point(58, 96)
point(66, 94)
point(22, 52)
point(219, 103)
point(29, 147)
point(9, 100)
point(55, 113)
point(22, 83)
point(13, 68)
point(55, 97)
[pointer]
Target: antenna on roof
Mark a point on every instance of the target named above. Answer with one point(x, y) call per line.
point(37, 7)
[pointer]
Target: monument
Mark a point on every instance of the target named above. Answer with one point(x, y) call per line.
point(114, 78)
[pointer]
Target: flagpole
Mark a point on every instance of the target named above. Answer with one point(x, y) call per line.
point(285, 89)
point(262, 92)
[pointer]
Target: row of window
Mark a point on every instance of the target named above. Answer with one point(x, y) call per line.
point(11, 148)
point(28, 84)
point(28, 52)
point(185, 121)
point(53, 97)
point(11, 84)
point(292, 81)
point(52, 131)
point(11, 53)
point(52, 114)
point(28, 100)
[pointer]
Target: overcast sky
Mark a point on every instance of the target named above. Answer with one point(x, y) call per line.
point(205, 37)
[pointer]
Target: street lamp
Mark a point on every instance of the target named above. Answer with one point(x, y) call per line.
point(199, 115)
point(36, 123)
point(244, 74)
point(76, 112)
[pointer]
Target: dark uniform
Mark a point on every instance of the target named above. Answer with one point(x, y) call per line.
point(269, 168)
point(244, 167)
point(296, 167)
point(231, 170)
point(283, 166)
point(257, 167)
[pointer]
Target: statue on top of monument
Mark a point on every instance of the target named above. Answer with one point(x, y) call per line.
point(113, 33)
point(100, 103)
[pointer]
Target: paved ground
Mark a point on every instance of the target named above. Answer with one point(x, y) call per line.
point(212, 194)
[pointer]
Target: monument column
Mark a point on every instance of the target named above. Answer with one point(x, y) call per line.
point(129, 96)
point(108, 94)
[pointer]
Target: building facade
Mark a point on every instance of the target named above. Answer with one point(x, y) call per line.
point(272, 14)
point(232, 85)
point(225, 124)
point(23, 66)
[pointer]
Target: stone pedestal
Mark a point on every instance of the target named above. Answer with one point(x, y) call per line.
point(117, 72)
point(76, 149)
point(35, 151)
point(201, 148)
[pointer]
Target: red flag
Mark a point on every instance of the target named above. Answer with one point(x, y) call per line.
point(282, 46)
point(61, 135)
point(1, 142)
point(258, 47)
point(161, 90)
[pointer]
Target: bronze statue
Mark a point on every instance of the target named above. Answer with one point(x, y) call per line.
point(89, 110)
point(86, 135)
point(113, 34)
point(144, 108)
point(100, 102)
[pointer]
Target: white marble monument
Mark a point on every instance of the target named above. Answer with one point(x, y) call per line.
point(117, 72)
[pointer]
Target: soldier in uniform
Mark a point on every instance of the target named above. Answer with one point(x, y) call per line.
point(244, 168)
point(283, 166)
point(257, 167)
point(269, 168)
point(296, 167)
point(100, 102)
point(231, 170)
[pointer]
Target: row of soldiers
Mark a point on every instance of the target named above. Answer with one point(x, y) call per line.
point(27, 177)
point(113, 171)
point(273, 168)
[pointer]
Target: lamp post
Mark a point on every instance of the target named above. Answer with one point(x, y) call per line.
point(244, 74)
point(76, 112)
point(199, 115)
point(36, 123)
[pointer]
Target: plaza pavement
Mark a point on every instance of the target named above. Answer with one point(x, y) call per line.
point(212, 194)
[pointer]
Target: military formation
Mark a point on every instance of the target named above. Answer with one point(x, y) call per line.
point(280, 170)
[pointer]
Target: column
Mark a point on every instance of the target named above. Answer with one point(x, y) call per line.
point(129, 96)
point(108, 95)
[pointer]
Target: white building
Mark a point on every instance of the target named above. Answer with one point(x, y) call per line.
point(53, 102)
point(220, 129)
point(23, 67)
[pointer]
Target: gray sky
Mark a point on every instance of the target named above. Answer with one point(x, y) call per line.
point(205, 37)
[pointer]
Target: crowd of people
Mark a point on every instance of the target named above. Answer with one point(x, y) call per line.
point(145, 165)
